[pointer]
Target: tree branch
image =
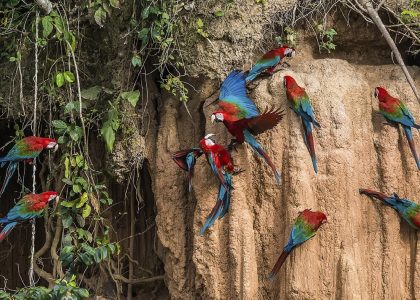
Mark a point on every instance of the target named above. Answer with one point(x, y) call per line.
point(139, 280)
point(45, 5)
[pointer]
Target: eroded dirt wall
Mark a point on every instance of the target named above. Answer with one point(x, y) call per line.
point(364, 251)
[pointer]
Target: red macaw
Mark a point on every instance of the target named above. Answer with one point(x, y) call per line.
point(396, 112)
point(29, 207)
point(26, 149)
point(270, 61)
point(242, 118)
point(305, 227)
point(302, 106)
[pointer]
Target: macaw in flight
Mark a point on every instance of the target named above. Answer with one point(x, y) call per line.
point(26, 149)
point(242, 118)
point(29, 207)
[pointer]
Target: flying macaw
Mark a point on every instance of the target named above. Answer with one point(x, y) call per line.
point(302, 106)
point(270, 61)
point(395, 111)
point(242, 118)
point(408, 210)
point(305, 227)
point(26, 149)
point(186, 160)
point(222, 166)
point(29, 207)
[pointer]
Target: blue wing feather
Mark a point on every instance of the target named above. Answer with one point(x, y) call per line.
point(262, 65)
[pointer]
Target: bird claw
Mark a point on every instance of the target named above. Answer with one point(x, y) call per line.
point(238, 171)
point(232, 146)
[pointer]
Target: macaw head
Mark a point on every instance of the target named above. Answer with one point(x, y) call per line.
point(285, 51)
point(381, 93)
point(315, 218)
point(207, 142)
point(289, 82)
point(50, 196)
point(218, 116)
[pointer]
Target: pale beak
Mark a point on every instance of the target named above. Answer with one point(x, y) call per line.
point(55, 148)
point(209, 135)
point(213, 118)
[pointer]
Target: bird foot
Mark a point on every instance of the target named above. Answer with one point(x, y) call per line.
point(237, 171)
point(232, 146)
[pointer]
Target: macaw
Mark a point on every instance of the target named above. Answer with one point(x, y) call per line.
point(222, 166)
point(270, 61)
point(395, 111)
point(242, 118)
point(302, 106)
point(304, 228)
point(408, 210)
point(29, 207)
point(25, 149)
point(186, 160)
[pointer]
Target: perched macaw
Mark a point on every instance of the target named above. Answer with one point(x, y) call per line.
point(186, 160)
point(242, 118)
point(29, 207)
point(302, 106)
point(305, 227)
point(408, 210)
point(26, 149)
point(222, 166)
point(395, 111)
point(270, 61)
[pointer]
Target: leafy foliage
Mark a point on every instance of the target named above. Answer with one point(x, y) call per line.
point(326, 38)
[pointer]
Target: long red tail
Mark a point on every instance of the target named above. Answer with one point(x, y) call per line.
point(373, 194)
point(278, 265)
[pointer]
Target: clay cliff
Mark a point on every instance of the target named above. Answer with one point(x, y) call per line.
point(364, 251)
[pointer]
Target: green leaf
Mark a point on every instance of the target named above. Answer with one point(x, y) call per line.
point(132, 97)
point(76, 188)
point(67, 221)
point(82, 200)
point(200, 23)
point(86, 211)
point(68, 204)
point(108, 134)
point(144, 32)
point(59, 124)
point(47, 26)
point(100, 16)
point(80, 220)
point(136, 61)
point(70, 106)
point(91, 93)
point(219, 13)
point(66, 181)
point(59, 79)
point(68, 76)
point(114, 3)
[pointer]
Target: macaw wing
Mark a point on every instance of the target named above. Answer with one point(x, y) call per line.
point(20, 152)
point(180, 157)
point(407, 118)
point(266, 121)
point(233, 98)
point(306, 108)
point(300, 233)
point(21, 211)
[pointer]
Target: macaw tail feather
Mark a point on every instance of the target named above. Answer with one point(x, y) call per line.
point(212, 217)
point(251, 76)
point(373, 194)
point(278, 264)
point(11, 168)
point(6, 230)
point(225, 196)
point(309, 141)
point(409, 135)
point(190, 176)
point(249, 138)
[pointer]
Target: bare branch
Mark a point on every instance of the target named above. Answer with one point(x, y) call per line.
point(139, 280)
point(45, 5)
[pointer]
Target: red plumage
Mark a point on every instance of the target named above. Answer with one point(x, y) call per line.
point(35, 143)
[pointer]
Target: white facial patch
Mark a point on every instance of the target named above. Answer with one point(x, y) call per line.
point(51, 145)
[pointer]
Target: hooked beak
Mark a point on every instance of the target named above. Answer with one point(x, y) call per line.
point(213, 119)
point(55, 148)
point(209, 135)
